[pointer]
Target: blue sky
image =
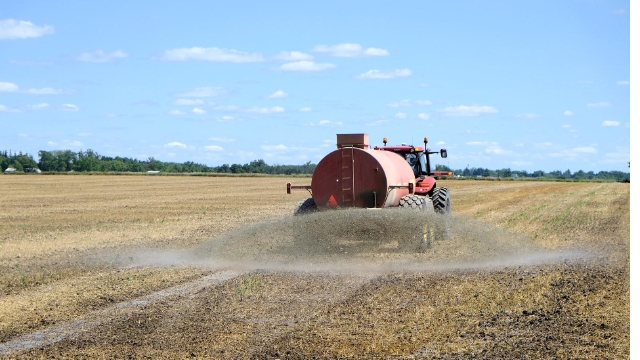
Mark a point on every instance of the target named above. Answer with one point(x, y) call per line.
point(529, 85)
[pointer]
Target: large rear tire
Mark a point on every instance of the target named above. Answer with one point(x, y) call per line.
point(305, 207)
point(442, 205)
point(441, 200)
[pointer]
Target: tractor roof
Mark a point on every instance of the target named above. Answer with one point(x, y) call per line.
point(400, 148)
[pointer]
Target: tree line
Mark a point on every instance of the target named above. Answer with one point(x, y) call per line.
point(89, 160)
point(539, 174)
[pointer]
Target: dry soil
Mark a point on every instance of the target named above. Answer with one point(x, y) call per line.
point(217, 267)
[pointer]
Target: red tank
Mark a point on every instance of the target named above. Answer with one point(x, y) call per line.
point(355, 176)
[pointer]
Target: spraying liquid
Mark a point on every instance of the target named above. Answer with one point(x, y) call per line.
point(361, 240)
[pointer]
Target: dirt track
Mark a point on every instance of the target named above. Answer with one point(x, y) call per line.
point(109, 266)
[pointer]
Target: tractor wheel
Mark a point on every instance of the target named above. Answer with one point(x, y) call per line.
point(420, 203)
point(442, 205)
point(441, 200)
point(414, 202)
point(305, 207)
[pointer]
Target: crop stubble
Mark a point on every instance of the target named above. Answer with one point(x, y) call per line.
point(65, 241)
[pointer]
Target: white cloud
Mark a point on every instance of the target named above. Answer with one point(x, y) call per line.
point(610, 123)
point(568, 112)
point(528, 116)
point(11, 87)
point(464, 110)
point(571, 154)
point(292, 56)
point(51, 143)
point(227, 107)
point(401, 115)
point(349, 50)
point(212, 54)
point(206, 91)
point(404, 103)
point(40, 106)
point(623, 82)
point(305, 109)
point(401, 103)
point(176, 112)
point(599, 104)
point(423, 116)
point(70, 107)
point(265, 110)
point(44, 91)
point(213, 148)
point(18, 29)
point(585, 150)
point(306, 65)
point(227, 118)
point(175, 144)
point(277, 94)
point(619, 155)
point(75, 143)
point(188, 102)
point(222, 139)
point(377, 74)
point(198, 111)
point(544, 145)
point(4, 108)
point(376, 52)
point(496, 149)
point(99, 56)
point(8, 87)
point(327, 123)
point(279, 147)
point(490, 147)
point(566, 126)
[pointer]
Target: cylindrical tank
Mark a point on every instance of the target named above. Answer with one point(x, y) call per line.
point(354, 177)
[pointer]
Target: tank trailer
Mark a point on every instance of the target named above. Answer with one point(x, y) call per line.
point(356, 175)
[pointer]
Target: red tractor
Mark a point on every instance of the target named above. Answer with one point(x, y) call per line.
point(356, 175)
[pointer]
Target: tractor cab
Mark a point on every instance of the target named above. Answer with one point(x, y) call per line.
point(418, 159)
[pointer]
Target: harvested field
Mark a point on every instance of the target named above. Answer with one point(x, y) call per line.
point(166, 267)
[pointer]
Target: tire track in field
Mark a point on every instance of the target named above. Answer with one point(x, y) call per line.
point(73, 328)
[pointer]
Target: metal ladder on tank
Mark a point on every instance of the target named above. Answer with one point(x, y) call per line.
point(347, 182)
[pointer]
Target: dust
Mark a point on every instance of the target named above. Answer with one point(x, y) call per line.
point(364, 241)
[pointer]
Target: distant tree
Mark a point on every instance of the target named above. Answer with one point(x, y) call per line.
point(66, 158)
point(4, 161)
point(47, 161)
point(237, 169)
point(442, 168)
point(16, 165)
point(26, 162)
point(87, 161)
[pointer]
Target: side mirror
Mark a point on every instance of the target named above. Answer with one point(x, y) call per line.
point(443, 153)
